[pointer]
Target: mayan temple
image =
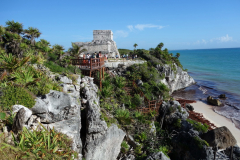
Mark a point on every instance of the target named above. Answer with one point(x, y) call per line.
point(102, 41)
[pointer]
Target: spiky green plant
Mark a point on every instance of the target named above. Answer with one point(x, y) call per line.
point(45, 144)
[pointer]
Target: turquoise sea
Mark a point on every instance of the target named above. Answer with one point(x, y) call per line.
point(216, 71)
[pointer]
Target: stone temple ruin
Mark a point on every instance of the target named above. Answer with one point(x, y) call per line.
point(102, 41)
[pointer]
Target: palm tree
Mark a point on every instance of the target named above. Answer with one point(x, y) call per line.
point(160, 45)
point(76, 50)
point(135, 45)
point(2, 32)
point(58, 49)
point(32, 33)
point(177, 55)
point(14, 27)
point(12, 42)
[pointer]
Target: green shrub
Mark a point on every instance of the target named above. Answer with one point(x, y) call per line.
point(139, 116)
point(44, 86)
point(123, 116)
point(200, 142)
point(119, 81)
point(12, 95)
point(141, 137)
point(164, 149)
point(177, 123)
point(124, 147)
point(136, 100)
point(45, 144)
point(199, 126)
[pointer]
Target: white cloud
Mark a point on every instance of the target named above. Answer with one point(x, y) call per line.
point(121, 33)
point(224, 38)
point(142, 26)
point(218, 40)
point(130, 27)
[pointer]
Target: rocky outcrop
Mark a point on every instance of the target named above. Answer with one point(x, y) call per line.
point(157, 156)
point(189, 146)
point(219, 138)
point(213, 101)
point(172, 114)
point(175, 79)
point(100, 141)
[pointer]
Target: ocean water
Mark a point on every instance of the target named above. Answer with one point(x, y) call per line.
point(216, 71)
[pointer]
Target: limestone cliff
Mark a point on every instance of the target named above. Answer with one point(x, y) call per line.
point(175, 79)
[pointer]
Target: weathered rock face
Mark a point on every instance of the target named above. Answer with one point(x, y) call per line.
point(157, 156)
point(213, 101)
point(21, 118)
point(100, 142)
point(175, 80)
point(171, 112)
point(219, 138)
point(189, 146)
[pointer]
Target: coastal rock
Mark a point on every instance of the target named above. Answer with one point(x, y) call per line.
point(236, 152)
point(171, 112)
point(189, 146)
point(213, 101)
point(223, 96)
point(219, 138)
point(157, 156)
point(175, 79)
point(189, 107)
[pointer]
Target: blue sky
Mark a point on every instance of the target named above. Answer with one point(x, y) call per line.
point(179, 24)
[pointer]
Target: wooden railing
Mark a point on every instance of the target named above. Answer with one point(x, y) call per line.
point(89, 64)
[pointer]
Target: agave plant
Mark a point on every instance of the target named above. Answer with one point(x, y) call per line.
point(44, 143)
point(25, 76)
point(11, 63)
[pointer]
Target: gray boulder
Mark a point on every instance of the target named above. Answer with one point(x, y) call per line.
point(213, 101)
point(107, 146)
point(157, 156)
point(219, 138)
point(21, 119)
point(189, 146)
point(189, 107)
point(61, 111)
point(55, 106)
point(139, 82)
point(64, 79)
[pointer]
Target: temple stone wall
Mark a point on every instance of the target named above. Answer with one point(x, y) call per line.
point(102, 41)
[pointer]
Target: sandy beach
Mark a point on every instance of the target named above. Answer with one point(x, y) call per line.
point(216, 119)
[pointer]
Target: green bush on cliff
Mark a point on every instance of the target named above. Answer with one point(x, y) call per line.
point(199, 126)
point(12, 95)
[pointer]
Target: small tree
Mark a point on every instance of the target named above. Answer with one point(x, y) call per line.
point(135, 45)
point(177, 55)
point(32, 33)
